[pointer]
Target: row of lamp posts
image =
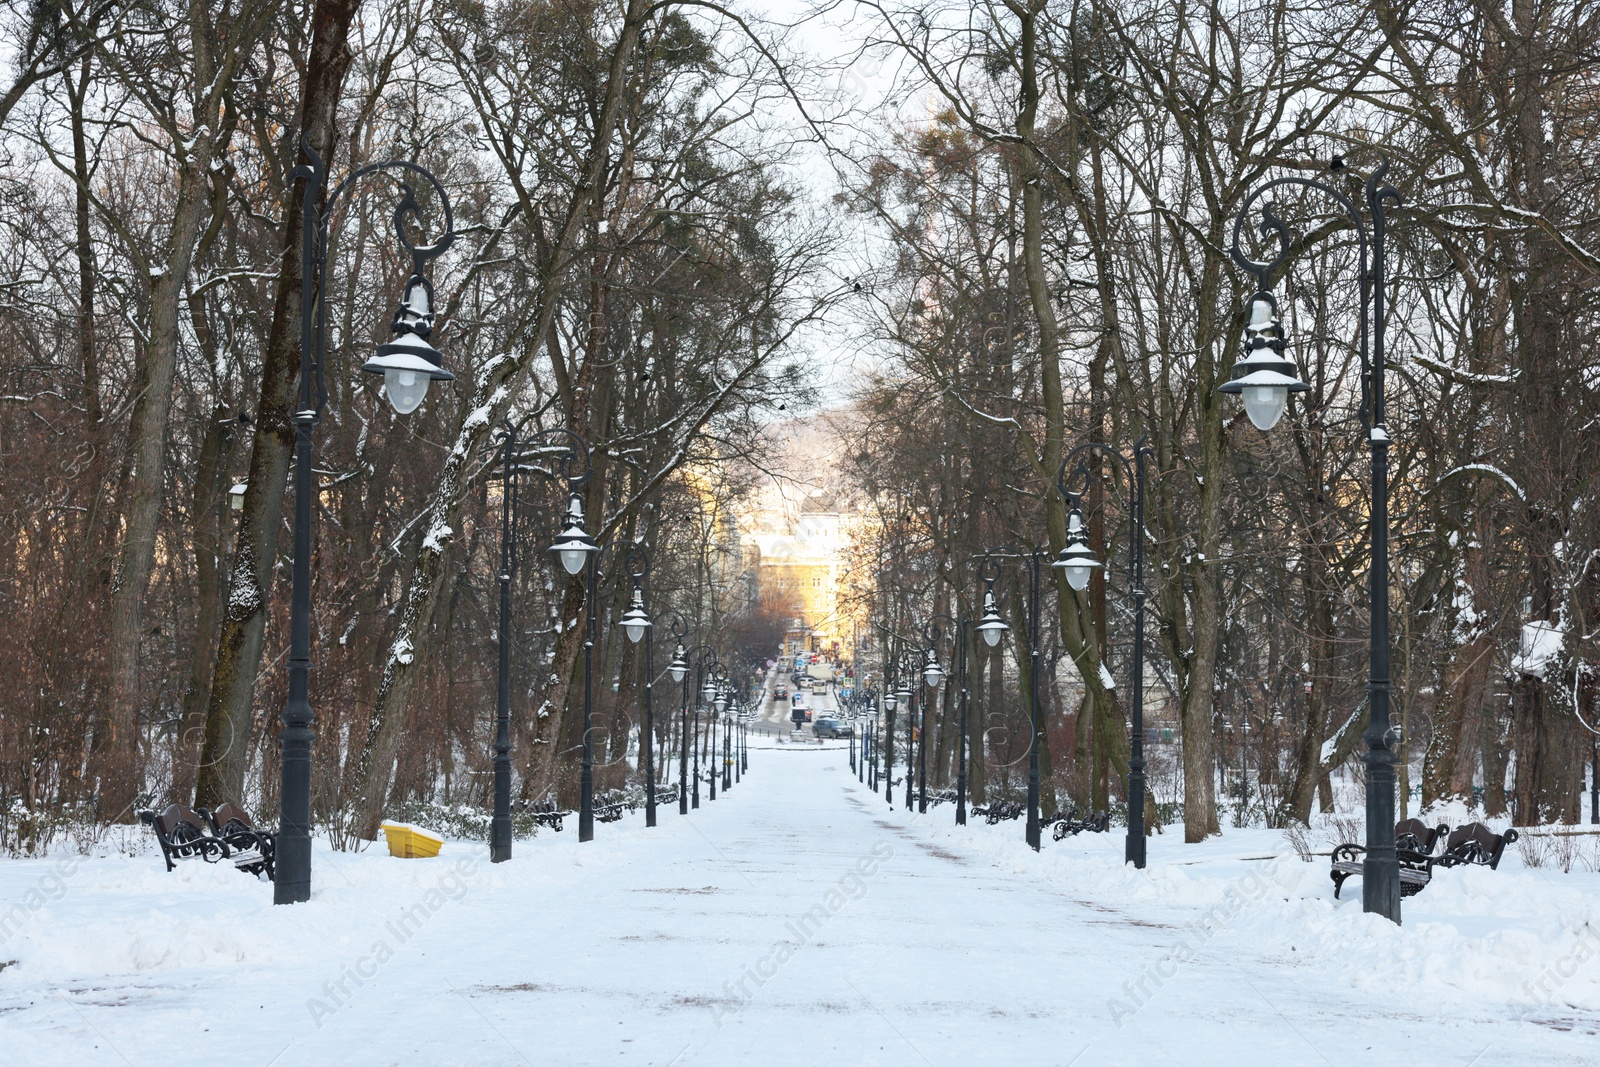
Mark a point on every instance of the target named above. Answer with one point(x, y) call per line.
point(408, 363)
point(1264, 378)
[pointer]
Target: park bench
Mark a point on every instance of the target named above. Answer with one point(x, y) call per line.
point(1414, 841)
point(251, 849)
point(1473, 843)
point(999, 811)
point(1096, 822)
point(184, 835)
point(612, 804)
point(545, 813)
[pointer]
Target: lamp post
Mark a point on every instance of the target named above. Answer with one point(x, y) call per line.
point(706, 661)
point(742, 767)
point(934, 675)
point(727, 736)
point(1264, 378)
point(888, 743)
point(635, 623)
point(510, 497)
point(408, 363)
point(678, 671)
point(578, 553)
point(905, 698)
point(991, 627)
point(869, 756)
point(989, 570)
point(1078, 569)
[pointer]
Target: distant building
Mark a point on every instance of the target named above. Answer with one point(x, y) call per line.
point(800, 562)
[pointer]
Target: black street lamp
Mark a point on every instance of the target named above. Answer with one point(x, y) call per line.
point(905, 697)
point(869, 754)
point(678, 671)
point(934, 675)
point(578, 553)
point(740, 728)
point(1078, 569)
point(510, 497)
point(1264, 378)
point(991, 627)
point(888, 743)
point(727, 737)
point(635, 623)
point(989, 570)
point(708, 696)
point(408, 363)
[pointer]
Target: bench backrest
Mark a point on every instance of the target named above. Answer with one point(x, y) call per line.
point(1490, 845)
point(229, 812)
point(1426, 836)
point(179, 823)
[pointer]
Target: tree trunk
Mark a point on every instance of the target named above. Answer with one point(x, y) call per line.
point(209, 508)
point(238, 653)
point(140, 507)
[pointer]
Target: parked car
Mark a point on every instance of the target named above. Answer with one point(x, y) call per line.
point(802, 682)
point(832, 728)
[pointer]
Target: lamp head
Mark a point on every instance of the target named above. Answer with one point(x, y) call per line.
point(1076, 560)
point(1265, 377)
point(408, 362)
point(635, 621)
point(991, 627)
point(574, 546)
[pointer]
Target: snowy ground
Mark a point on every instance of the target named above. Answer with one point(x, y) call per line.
point(798, 920)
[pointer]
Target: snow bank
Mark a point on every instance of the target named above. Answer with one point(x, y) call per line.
point(1525, 941)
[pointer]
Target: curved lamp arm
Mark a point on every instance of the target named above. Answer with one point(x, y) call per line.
point(412, 317)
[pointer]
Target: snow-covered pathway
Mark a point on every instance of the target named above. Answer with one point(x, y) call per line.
point(798, 920)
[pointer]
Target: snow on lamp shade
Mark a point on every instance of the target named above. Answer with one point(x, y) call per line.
point(408, 362)
point(574, 546)
point(932, 673)
point(1076, 560)
point(678, 669)
point(991, 627)
point(635, 621)
point(1264, 377)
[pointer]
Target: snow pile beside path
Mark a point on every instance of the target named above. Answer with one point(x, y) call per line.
point(1527, 940)
point(76, 917)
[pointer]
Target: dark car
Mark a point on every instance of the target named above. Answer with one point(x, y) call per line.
point(832, 728)
point(780, 692)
